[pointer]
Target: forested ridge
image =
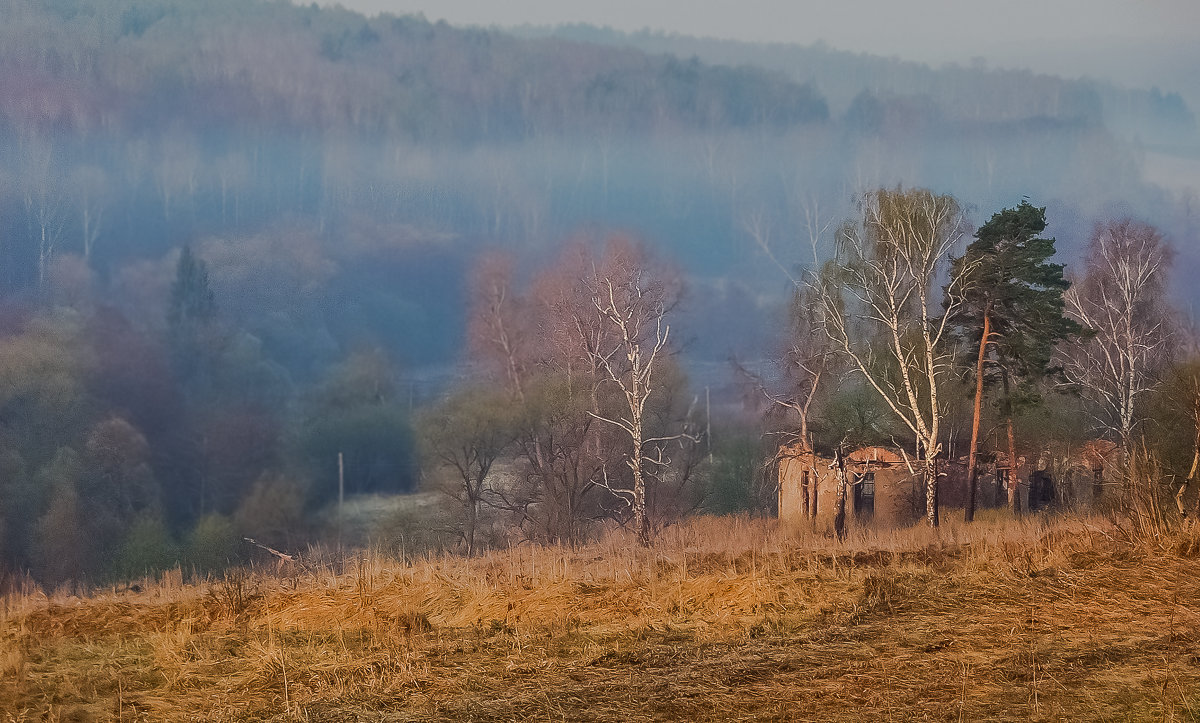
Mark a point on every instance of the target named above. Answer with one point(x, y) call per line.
point(968, 91)
point(110, 66)
point(238, 238)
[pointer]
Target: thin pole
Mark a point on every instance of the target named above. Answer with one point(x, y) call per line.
point(341, 495)
point(708, 424)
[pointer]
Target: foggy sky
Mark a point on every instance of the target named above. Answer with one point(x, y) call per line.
point(1138, 42)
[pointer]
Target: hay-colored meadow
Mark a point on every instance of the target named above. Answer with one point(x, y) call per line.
point(722, 619)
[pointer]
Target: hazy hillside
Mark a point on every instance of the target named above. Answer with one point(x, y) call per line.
point(222, 119)
point(966, 91)
point(104, 67)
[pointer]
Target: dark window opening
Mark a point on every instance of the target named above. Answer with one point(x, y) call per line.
point(864, 495)
point(1002, 485)
point(1041, 490)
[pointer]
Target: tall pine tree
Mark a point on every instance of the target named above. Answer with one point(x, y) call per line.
point(1013, 316)
point(192, 300)
point(190, 315)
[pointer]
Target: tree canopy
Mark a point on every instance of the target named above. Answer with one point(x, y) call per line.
point(1008, 276)
point(1010, 308)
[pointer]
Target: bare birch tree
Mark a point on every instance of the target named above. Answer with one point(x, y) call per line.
point(1122, 299)
point(817, 221)
point(91, 191)
point(44, 202)
point(632, 302)
point(882, 311)
point(806, 357)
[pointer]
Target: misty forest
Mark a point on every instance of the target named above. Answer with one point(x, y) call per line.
point(283, 285)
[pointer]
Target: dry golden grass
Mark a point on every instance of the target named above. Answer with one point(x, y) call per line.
point(724, 619)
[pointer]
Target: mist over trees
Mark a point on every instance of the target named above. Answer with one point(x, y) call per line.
point(965, 91)
point(240, 238)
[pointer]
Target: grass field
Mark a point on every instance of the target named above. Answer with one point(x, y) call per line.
point(724, 619)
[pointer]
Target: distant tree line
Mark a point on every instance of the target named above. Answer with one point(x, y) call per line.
point(95, 66)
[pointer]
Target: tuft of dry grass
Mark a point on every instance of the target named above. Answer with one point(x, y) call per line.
point(722, 619)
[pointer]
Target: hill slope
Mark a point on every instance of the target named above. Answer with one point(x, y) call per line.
point(969, 92)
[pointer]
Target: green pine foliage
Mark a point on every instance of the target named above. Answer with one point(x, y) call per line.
point(192, 300)
point(1009, 276)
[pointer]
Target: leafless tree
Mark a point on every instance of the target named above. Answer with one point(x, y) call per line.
point(43, 200)
point(177, 171)
point(807, 354)
point(90, 189)
point(564, 456)
point(883, 313)
point(1187, 401)
point(818, 219)
point(632, 301)
point(759, 226)
point(583, 355)
point(496, 335)
point(839, 509)
point(803, 363)
point(1122, 299)
point(233, 176)
point(533, 345)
